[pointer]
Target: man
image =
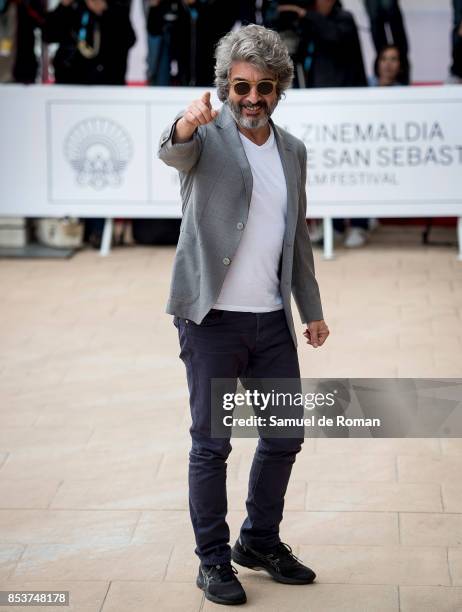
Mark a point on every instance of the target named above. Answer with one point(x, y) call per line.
point(243, 246)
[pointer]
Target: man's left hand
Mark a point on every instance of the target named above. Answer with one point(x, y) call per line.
point(316, 333)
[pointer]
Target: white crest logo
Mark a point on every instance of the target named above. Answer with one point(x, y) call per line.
point(99, 150)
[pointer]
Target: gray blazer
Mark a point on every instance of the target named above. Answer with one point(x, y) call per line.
point(216, 188)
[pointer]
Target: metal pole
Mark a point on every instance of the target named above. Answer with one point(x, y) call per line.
point(107, 238)
point(328, 231)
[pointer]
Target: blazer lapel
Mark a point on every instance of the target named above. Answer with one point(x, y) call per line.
point(289, 162)
point(227, 123)
point(289, 165)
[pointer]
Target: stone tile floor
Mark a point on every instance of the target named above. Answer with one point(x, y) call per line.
point(94, 439)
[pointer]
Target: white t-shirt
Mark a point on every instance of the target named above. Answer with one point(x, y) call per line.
point(251, 283)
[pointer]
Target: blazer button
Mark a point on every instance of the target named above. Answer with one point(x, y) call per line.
point(240, 225)
point(226, 261)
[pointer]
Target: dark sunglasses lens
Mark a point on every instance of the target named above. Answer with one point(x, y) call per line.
point(242, 88)
point(264, 88)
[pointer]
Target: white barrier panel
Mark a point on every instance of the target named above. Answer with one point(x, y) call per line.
point(91, 151)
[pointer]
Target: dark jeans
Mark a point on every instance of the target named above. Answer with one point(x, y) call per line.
point(235, 345)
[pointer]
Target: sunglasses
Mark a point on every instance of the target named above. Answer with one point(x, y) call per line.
point(265, 87)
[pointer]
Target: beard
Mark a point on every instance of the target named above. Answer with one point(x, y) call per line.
point(251, 123)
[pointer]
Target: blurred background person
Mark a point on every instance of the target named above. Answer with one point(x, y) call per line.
point(387, 27)
point(252, 11)
point(182, 36)
point(331, 56)
point(202, 25)
point(162, 25)
point(6, 40)
point(456, 66)
point(30, 17)
point(388, 68)
point(94, 38)
point(329, 47)
point(286, 20)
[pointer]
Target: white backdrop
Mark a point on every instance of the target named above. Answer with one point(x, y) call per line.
point(92, 151)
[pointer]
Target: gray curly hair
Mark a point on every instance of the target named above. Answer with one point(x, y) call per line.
point(260, 47)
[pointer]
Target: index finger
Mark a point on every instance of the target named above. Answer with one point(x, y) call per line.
point(206, 98)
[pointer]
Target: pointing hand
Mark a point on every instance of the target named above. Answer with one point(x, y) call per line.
point(200, 112)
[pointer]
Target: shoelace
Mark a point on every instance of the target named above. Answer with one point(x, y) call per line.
point(284, 554)
point(225, 572)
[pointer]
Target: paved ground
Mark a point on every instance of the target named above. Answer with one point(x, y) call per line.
point(94, 442)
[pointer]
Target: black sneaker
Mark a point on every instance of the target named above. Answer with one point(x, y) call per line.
point(220, 584)
point(280, 563)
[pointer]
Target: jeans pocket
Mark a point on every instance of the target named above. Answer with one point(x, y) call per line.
point(212, 318)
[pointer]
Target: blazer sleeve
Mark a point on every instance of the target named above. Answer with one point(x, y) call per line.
point(182, 156)
point(304, 284)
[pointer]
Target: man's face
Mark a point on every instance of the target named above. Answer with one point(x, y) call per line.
point(252, 110)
